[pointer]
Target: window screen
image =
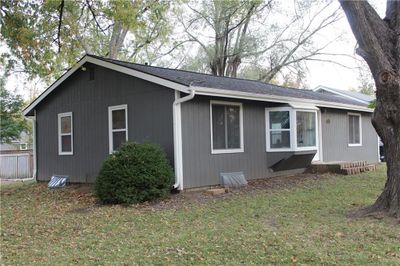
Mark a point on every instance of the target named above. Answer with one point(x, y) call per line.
point(354, 129)
point(226, 126)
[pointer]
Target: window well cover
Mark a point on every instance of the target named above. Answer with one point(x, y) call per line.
point(57, 181)
point(235, 179)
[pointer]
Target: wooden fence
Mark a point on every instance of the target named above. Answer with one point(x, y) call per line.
point(16, 164)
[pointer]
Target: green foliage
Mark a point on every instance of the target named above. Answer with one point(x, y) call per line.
point(30, 32)
point(12, 122)
point(135, 173)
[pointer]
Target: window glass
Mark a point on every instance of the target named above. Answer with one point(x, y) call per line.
point(226, 126)
point(233, 126)
point(279, 120)
point(354, 129)
point(218, 120)
point(118, 139)
point(280, 139)
point(66, 124)
point(66, 143)
point(118, 119)
point(306, 132)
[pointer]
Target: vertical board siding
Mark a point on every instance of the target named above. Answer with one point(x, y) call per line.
point(149, 119)
point(201, 168)
point(335, 135)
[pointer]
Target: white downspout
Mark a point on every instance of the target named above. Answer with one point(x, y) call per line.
point(34, 145)
point(178, 137)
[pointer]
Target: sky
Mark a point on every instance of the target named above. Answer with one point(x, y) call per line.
point(320, 73)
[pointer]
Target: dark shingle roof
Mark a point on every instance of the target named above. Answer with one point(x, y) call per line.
point(189, 78)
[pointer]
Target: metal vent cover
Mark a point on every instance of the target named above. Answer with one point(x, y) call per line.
point(234, 179)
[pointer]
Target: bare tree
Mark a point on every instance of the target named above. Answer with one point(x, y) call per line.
point(379, 44)
point(246, 31)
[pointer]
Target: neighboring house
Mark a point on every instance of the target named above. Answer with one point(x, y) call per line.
point(355, 96)
point(22, 143)
point(206, 124)
point(352, 95)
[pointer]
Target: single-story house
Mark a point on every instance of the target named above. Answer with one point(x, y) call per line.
point(352, 95)
point(206, 124)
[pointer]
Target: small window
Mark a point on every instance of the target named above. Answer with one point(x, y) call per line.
point(118, 126)
point(226, 127)
point(23, 146)
point(65, 134)
point(354, 129)
point(306, 129)
point(279, 129)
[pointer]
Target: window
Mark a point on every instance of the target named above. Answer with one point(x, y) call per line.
point(23, 146)
point(65, 134)
point(354, 129)
point(226, 127)
point(117, 126)
point(289, 129)
point(306, 129)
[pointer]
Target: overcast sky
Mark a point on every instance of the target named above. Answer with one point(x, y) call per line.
point(320, 73)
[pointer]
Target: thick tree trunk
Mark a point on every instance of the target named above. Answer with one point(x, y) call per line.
point(389, 131)
point(379, 45)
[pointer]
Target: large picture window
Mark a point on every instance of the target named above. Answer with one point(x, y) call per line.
point(289, 129)
point(65, 134)
point(118, 126)
point(354, 129)
point(226, 127)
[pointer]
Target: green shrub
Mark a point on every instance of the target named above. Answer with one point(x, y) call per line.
point(135, 173)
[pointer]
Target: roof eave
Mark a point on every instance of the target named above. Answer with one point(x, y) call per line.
point(89, 59)
point(274, 98)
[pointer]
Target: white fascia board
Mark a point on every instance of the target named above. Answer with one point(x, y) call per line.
point(275, 98)
point(118, 68)
point(339, 93)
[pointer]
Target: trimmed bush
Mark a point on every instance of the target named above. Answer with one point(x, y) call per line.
point(135, 173)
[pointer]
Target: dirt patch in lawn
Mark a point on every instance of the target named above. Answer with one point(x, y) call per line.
point(255, 186)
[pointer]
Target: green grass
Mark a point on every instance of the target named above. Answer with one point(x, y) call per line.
point(305, 224)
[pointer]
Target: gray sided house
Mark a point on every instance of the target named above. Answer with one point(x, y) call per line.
point(207, 125)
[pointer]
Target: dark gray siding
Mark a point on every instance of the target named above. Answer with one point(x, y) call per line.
point(149, 118)
point(335, 138)
point(201, 168)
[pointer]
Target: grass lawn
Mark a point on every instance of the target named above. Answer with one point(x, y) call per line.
point(305, 224)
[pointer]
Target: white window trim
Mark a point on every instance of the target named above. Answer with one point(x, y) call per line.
point(60, 152)
point(308, 148)
point(221, 151)
point(268, 131)
point(360, 128)
point(292, 130)
point(111, 130)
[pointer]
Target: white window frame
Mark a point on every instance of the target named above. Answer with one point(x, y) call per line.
point(60, 152)
point(268, 130)
point(111, 130)
point(360, 128)
point(308, 148)
point(292, 129)
point(221, 151)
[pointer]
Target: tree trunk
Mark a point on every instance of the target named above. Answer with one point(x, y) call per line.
point(379, 45)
